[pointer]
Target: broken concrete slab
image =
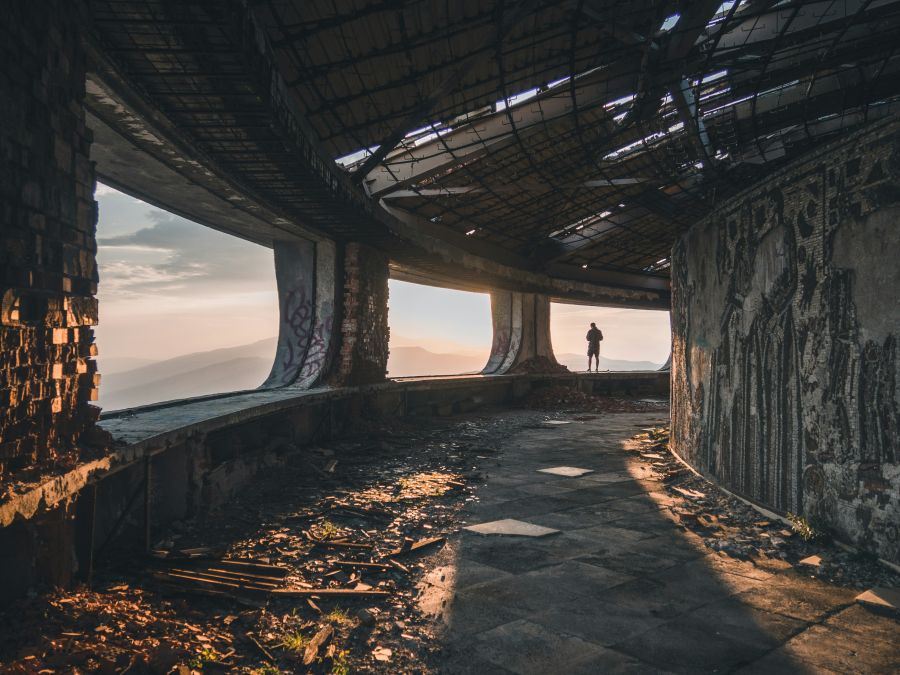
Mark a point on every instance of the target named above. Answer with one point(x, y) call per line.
point(569, 471)
point(511, 527)
point(812, 561)
point(881, 598)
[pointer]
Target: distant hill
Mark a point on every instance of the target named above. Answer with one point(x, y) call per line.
point(212, 372)
point(246, 366)
point(408, 361)
point(578, 362)
point(119, 364)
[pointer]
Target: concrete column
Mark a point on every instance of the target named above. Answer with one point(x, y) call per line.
point(306, 274)
point(521, 323)
point(48, 269)
point(364, 336)
point(333, 315)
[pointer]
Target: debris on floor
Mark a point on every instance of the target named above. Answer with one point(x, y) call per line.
point(311, 568)
point(735, 529)
point(570, 399)
point(538, 364)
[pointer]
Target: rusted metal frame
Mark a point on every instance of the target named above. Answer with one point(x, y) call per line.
point(320, 25)
point(579, 132)
point(392, 49)
point(299, 64)
point(812, 81)
point(471, 102)
point(689, 112)
point(421, 112)
point(482, 51)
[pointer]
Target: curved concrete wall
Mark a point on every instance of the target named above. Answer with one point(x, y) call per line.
point(785, 325)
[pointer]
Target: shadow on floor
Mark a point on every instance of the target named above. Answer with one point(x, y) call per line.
point(621, 588)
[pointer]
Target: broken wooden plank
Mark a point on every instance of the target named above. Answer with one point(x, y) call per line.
point(361, 565)
point(339, 592)
point(227, 576)
point(340, 543)
point(179, 578)
point(415, 547)
point(260, 647)
point(312, 649)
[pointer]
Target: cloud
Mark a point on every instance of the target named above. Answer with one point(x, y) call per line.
point(173, 255)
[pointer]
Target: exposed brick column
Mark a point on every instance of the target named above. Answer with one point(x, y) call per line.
point(48, 269)
point(364, 327)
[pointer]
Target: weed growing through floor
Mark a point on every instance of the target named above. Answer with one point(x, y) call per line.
point(204, 657)
point(807, 531)
point(328, 530)
point(339, 616)
point(339, 665)
point(266, 670)
point(294, 642)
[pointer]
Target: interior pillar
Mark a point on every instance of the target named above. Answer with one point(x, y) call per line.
point(521, 341)
point(364, 335)
point(308, 290)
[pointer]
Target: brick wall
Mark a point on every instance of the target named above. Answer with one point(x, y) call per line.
point(785, 323)
point(364, 327)
point(48, 269)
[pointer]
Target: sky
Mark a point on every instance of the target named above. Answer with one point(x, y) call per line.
point(170, 287)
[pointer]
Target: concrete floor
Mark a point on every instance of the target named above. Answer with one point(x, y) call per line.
point(621, 588)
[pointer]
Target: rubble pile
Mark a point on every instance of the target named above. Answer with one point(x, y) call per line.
point(315, 567)
point(570, 399)
point(735, 529)
point(538, 365)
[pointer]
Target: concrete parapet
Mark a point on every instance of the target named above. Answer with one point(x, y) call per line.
point(198, 452)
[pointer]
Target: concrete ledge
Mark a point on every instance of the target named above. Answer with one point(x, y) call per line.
point(149, 430)
point(185, 457)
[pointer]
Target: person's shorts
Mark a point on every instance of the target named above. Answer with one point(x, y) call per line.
point(593, 350)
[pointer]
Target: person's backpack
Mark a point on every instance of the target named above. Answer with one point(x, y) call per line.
point(601, 334)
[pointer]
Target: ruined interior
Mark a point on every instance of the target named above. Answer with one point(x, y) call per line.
point(736, 164)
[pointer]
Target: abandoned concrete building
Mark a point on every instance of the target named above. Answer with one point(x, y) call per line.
point(734, 164)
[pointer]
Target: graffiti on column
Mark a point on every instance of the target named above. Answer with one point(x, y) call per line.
point(294, 271)
point(317, 353)
point(298, 312)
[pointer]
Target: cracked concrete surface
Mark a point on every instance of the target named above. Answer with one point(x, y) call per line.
point(622, 588)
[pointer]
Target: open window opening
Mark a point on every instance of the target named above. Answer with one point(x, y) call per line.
point(437, 331)
point(184, 310)
point(633, 339)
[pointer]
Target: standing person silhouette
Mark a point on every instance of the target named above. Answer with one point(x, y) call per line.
point(593, 337)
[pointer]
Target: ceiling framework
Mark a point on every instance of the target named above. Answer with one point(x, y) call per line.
point(567, 135)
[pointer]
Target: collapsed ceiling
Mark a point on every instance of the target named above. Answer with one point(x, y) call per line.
point(578, 133)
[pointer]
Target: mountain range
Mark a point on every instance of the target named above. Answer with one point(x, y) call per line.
point(133, 381)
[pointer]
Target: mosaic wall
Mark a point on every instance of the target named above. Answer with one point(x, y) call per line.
point(785, 321)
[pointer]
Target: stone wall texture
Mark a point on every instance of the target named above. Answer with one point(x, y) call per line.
point(365, 334)
point(48, 269)
point(785, 323)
